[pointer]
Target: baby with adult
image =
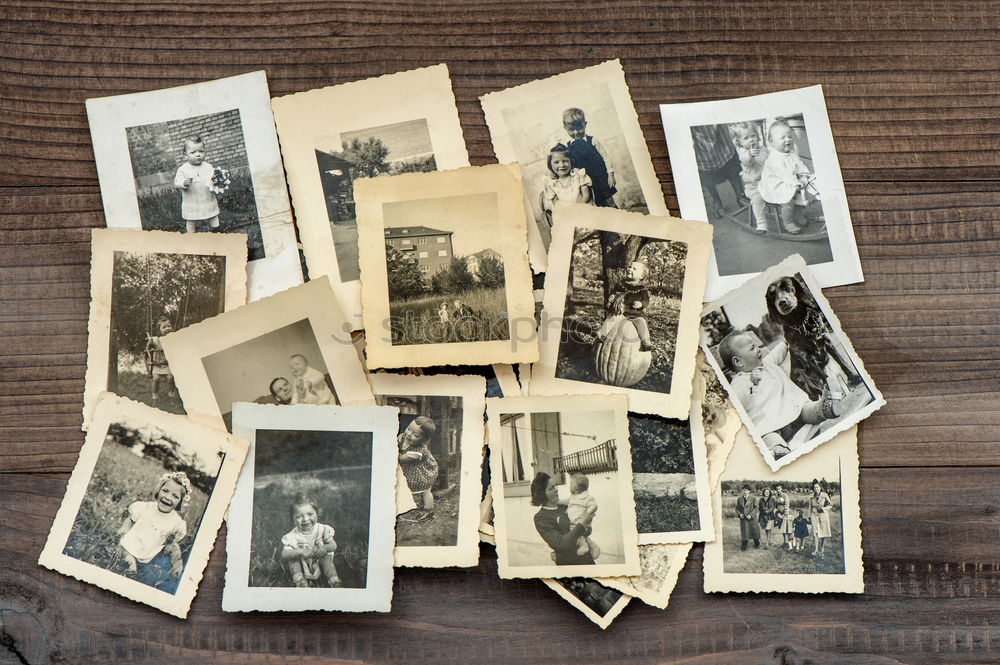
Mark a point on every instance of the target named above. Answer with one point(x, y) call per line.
point(581, 508)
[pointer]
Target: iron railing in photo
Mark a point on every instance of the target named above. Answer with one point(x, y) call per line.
point(600, 458)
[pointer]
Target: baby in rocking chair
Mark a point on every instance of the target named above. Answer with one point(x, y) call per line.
point(778, 407)
point(787, 182)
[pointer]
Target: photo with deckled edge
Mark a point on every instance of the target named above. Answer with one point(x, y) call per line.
point(764, 172)
point(387, 125)
point(143, 283)
point(596, 601)
point(145, 534)
point(661, 565)
point(789, 369)
point(561, 476)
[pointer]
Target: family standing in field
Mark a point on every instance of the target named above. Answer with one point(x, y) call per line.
point(771, 511)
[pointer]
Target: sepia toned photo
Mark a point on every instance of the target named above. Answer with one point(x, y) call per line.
point(792, 374)
point(561, 476)
point(440, 452)
point(661, 565)
point(621, 304)
point(398, 123)
point(763, 171)
point(144, 503)
point(291, 348)
point(200, 158)
point(720, 420)
point(577, 139)
point(795, 530)
point(145, 285)
point(307, 525)
point(446, 280)
point(599, 603)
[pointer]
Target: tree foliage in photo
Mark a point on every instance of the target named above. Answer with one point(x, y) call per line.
point(491, 273)
point(453, 278)
point(369, 157)
point(405, 278)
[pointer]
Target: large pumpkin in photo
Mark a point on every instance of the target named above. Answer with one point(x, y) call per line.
point(618, 360)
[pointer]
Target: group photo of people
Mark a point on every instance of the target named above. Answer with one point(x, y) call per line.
point(792, 375)
point(782, 527)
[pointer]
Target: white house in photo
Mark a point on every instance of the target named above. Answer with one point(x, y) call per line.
point(560, 444)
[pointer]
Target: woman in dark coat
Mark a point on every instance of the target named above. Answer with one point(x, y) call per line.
point(553, 525)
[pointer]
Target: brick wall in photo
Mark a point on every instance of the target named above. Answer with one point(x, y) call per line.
point(157, 150)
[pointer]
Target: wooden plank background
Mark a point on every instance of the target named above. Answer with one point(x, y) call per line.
point(913, 92)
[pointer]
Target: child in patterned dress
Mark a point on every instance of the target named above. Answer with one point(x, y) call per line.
point(419, 466)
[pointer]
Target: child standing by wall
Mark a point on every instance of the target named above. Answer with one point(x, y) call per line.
point(307, 550)
point(149, 538)
point(588, 154)
point(158, 366)
point(194, 180)
point(419, 466)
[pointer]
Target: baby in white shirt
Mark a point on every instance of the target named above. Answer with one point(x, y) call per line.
point(580, 505)
point(194, 180)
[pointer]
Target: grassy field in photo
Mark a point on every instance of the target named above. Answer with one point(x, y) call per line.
point(663, 514)
point(343, 498)
point(120, 478)
point(137, 384)
point(775, 559)
point(416, 321)
point(160, 210)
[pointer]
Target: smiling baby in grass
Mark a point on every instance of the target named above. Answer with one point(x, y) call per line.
point(150, 536)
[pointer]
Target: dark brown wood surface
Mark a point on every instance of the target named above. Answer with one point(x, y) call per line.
point(913, 91)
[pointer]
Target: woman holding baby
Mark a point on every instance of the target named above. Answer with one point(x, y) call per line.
point(553, 524)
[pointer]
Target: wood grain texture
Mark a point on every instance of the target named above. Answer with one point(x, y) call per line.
point(913, 91)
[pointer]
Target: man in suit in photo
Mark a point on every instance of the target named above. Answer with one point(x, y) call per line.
point(748, 509)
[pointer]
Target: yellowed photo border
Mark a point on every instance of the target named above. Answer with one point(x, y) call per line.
point(472, 390)
point(569, 220)
point(602, 621)
point(745, 464)
point(307, 118)
point(661, 565)
point(110, 409)
point(103, 245)
point(186, 349)
point(622, 478)
point(506, 234)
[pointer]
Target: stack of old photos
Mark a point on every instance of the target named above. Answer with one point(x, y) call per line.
point(337, 425)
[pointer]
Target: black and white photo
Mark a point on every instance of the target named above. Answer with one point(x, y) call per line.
point(398, 123)
point(200, 159)
point(145, 285)
point(289, 349)
point(621, 303)
point(763, 171)
point(439, 449)
point(576, 137)
point(601, 604)
point(791, 372)
point(144, 503)
point(660, 566)
point(561, 475)
point(308, 527)
point(797, 529)
point(445, 274)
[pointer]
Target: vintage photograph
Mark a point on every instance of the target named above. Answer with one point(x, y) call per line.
point(719, 419)
point(561, 475)
point(791, 372)
point(577, 139)
point(145, 285)
point(445, 269)
point(797, 529)
point(399, 123)
point(144, 504)
point(660, 564)
point(440, 452)
point(307, 525)
point(599, 603)
point(670, 479)
point(200, 158)
point(192, 175)
point(763, 171)
point(621, 304)
point(291, 348)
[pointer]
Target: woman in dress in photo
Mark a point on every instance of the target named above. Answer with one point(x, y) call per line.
point(553, 524)
point(819, 513)
point(768, 508)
